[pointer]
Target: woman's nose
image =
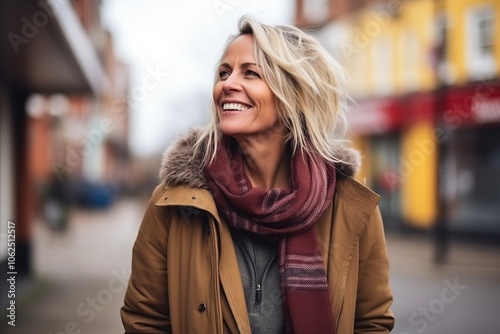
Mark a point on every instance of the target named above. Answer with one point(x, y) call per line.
point(232, 83)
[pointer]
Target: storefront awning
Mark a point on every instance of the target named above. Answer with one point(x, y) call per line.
point(474, 104)
point(375, 116)
point(44, 48)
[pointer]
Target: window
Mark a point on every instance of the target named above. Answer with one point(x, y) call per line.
point(410, 50)
point(480, 21)
point(485, 35)
point(382, 66)
point(316, 11)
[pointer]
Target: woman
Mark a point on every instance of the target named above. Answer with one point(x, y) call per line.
point(257, 225)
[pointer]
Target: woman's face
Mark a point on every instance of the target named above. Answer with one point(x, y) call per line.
point(245, 104)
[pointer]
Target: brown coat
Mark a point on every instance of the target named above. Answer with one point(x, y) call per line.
point(185, 275)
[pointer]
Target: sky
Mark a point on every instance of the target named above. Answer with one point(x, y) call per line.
point(171, 48)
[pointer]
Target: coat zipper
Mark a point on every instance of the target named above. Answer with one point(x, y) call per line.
point(258, 287)
point(259, 284)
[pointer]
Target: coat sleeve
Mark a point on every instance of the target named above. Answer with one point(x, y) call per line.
point(146, 308)
point(374, 298)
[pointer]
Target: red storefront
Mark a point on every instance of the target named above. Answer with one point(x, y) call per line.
point(471, 163)
point(377, 124)
point(376, 116)
point(460, 151)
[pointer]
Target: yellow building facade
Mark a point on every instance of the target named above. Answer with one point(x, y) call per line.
point(413, 66)
point(462, 16)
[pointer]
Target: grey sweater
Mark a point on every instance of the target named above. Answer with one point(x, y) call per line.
point(259, 267)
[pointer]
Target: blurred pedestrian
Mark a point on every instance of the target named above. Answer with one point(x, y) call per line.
point(56, 202)
point(257, 225)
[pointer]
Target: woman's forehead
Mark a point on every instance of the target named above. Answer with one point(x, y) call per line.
point(241, 46)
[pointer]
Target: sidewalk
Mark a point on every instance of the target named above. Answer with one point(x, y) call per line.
point(82, 274)
point(459, 297)
point(413, 256)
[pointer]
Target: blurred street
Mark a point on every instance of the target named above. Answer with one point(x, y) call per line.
point(80, 278)
point(80, 274)
point(461, 297)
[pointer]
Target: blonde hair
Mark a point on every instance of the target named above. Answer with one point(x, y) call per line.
point(308, 84)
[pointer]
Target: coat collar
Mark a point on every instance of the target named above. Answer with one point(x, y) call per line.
point(180, 166)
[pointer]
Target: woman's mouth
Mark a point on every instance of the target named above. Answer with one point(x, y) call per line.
point(234, 107)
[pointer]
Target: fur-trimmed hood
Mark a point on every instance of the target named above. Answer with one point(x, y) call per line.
point(179, 167)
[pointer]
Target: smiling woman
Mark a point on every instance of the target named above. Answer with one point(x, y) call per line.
point(247, 111)
point(257, 225)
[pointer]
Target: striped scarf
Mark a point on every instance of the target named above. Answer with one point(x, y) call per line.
point(288, 216)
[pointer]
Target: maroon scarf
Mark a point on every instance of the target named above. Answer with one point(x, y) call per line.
point(286, 215)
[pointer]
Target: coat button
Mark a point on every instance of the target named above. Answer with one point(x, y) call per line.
point(202, 307)
point(209, 230)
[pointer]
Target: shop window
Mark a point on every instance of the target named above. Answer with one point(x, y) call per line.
point(476, 186)
point(385, 178)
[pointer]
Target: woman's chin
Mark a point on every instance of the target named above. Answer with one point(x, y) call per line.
point(232, 129)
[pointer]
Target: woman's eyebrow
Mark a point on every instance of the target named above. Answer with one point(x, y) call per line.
point(242, 65)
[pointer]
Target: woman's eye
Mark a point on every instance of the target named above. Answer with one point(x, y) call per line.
point(252, 73)
point(223, 74)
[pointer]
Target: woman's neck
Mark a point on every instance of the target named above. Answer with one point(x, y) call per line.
point(266, 163)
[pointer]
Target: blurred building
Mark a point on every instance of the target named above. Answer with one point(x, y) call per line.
point(425, 75)
point(64, 116)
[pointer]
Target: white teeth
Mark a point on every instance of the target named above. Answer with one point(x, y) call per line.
point(234, 106)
